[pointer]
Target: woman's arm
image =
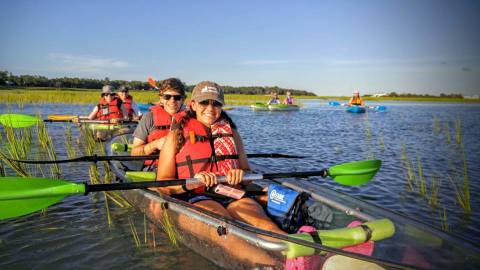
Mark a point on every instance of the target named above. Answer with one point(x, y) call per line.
point(167, 167)
point(93, 114)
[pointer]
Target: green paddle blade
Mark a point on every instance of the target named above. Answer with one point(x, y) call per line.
point(139, 176)
point(18, 120)
point(21, 196)
point(355, 173)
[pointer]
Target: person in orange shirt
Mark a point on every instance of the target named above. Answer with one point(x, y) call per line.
point(356, 99)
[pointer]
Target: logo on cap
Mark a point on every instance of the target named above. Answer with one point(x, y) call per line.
point(209, 89)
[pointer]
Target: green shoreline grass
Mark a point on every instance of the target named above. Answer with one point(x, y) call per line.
point(91, 96)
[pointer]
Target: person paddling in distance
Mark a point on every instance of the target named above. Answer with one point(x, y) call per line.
point(109, 107)
point(356, 99)
point(131, 106)
point(289, 99)
point(150, 133)
point(274, 98)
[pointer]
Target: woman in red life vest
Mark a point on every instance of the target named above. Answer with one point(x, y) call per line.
point(132, 108)
point(205, 144)
point(155, 124)
point(110, 107)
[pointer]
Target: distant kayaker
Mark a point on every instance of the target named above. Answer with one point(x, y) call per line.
point(289, 98)
point(131, 106)
point(356, 99)
point(274, 99)
point(155, 124)
point(110, 107)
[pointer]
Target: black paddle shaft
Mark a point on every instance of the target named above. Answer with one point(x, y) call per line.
point(126, 186)
point(96, 158)
point(323, 173)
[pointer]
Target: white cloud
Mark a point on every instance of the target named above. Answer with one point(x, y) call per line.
point(85, 64)
point(263, 62)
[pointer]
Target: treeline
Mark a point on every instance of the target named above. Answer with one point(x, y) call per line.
point(394, 94)
point(8, 79)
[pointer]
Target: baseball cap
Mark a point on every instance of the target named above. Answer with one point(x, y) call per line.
point(108, 89)
point(208, 90)
point(123, 88)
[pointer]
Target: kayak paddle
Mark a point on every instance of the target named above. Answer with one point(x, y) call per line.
point(96, 158)
point(22, 120)
point(152, 83)
point(24, 195)
point(348, 174)
point(65, 117)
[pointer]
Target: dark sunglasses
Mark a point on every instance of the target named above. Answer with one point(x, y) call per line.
point(214, 103)
point(108, 94)
point(175, 97)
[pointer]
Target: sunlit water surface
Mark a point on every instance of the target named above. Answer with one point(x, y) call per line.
point(75, 233)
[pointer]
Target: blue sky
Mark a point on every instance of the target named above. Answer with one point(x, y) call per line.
point(328, 47)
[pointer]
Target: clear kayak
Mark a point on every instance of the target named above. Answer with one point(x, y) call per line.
point(414, 245)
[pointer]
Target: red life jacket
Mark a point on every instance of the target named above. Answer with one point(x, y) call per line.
point(162, 122)
point(128, 105)
point(109, 111)
point(207, 150)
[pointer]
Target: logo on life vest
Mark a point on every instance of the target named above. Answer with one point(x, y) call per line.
point(277, 197)
point(209, 89)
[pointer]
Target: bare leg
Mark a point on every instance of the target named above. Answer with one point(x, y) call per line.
point(249, 211)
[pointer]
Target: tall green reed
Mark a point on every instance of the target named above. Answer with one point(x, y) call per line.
point(47, 146)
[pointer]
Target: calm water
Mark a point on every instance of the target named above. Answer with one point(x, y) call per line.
point(76, 234)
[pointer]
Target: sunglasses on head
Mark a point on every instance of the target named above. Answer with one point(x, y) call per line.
point(175, 97)
point(108, 94)
point(214, 103)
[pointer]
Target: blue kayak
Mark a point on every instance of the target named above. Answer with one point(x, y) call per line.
point(144, 106)
point(355, 109)
point(334, 103)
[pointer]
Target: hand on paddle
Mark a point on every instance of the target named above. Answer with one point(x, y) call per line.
point(233, 177)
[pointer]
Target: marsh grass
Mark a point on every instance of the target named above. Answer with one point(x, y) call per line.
point(69, 96)
point(433, 199)
point(437, 129)
point(47, 146)
point(421, 177)
point(460, 182)
point(17, 146)
point(134, 232)
point(409, 171)
point(444, 220)
point(447, 132)
point(167, 226)
point(458, 131)
point(71, 152)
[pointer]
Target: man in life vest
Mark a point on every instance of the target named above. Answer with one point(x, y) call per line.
point(131, 106)
point(356, 99)
point(155, 124)
point(110, 107)
point(205, 144)
point(289, 99)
